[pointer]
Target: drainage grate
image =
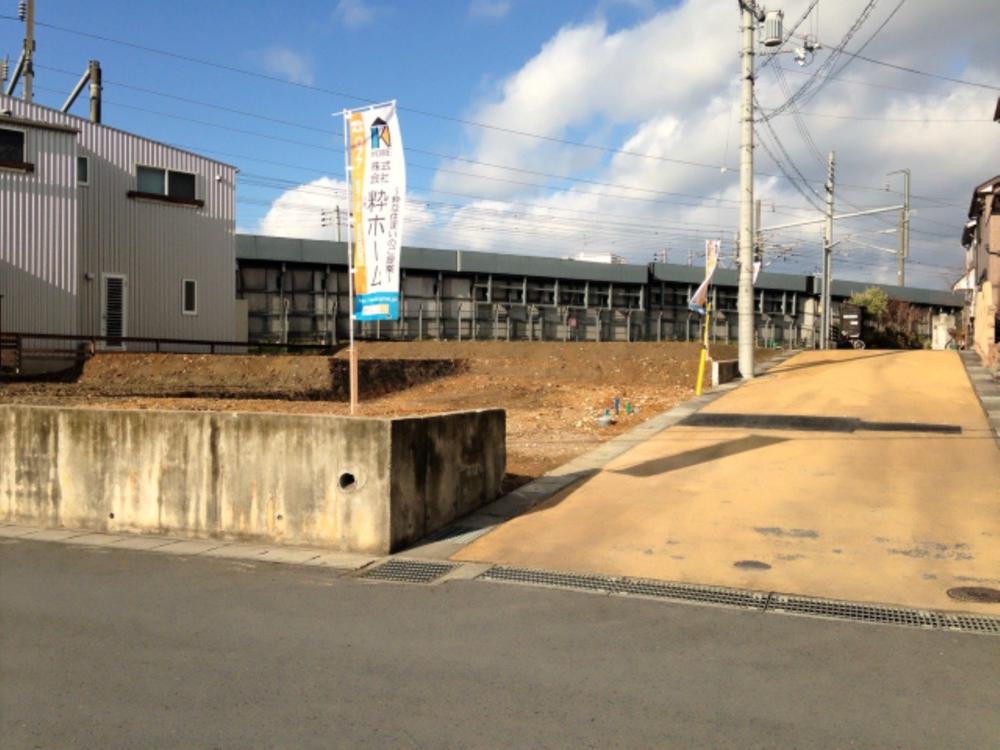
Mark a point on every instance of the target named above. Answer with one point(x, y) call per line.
point(629, 586)
point(861, 612)
point(549, 578)
point(409, 571)
point(759, 600)
point(693, 593)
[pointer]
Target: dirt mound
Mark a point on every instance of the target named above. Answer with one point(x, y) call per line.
point(253, 377)
point(553, 392)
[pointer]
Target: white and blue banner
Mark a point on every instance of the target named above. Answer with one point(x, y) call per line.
point(378, 199)
point(699, 300)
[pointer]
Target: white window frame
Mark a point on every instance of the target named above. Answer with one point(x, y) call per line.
point(104, 296)
point(24, 148)
point(82, 183)
point(166, 178)
point(184, 283)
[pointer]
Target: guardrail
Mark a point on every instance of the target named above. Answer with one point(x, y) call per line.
point(19, 347)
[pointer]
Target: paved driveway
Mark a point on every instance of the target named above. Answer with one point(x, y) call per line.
point(887, 489)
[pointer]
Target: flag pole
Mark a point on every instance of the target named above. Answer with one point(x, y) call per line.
point(352, 351)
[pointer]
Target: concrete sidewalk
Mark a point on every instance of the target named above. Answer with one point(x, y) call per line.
point(893, 513)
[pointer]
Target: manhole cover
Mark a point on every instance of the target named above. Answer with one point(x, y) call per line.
point(751, 565)
point(980, 594)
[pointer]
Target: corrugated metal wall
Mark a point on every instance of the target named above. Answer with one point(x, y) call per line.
point(38, 241)
point(154, 244)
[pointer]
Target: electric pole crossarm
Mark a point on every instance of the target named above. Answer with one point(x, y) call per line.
point(869, 244)
point(851, 215)
point(18, 70)
point(76, 91)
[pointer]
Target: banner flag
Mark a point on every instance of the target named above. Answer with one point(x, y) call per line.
point(700, 297)
point(378, 199)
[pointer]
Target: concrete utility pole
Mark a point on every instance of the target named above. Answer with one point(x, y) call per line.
point(904, 227)
point(744, 301)
point(826, 318)
point(29, 51)
point(94, 73)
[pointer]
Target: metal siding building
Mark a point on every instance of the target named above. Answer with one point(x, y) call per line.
point(38, 236)
point(296, 291)
point(152, 243)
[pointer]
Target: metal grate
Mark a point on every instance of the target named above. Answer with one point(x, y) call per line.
point(580, 582)
point(759, 600)
point(694, 593)
point(628, 586)
point(861, 612)
point(409, 571)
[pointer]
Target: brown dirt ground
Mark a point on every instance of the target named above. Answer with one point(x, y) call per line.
point(553, 392)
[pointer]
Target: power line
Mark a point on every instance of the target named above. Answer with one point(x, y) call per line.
point(868, 41)
point(895, 119)
point(816, 77)
point(925, 73)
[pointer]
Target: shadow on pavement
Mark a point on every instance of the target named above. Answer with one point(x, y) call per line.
point(700, 455)
point(811, 423)
point(778, 369)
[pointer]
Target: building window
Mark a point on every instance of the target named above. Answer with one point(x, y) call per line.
point(151, 181)
point(12, 149)
point(180, 185)
point(190, 297)
point(167, 185)
point(82, 170)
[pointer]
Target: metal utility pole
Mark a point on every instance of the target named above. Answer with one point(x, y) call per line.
point(825, 317)
point(904, 227)
point(744, 301)
point(29, 50)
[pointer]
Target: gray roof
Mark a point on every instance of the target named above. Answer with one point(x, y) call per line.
point(726, 277)
point(278, 249)
point(905, 293)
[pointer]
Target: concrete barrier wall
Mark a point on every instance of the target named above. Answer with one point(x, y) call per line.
point(724, 371)
point(366, 485)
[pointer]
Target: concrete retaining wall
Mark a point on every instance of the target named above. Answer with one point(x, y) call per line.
point(366, 485)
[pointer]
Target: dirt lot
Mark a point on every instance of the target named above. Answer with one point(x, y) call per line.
point(553, 392)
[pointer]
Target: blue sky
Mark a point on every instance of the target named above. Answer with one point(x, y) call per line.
point(437, 56)
point(650, 88)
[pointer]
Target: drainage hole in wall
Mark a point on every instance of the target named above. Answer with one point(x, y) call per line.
point(280, 517)
point(347, 481)
point(111, 515)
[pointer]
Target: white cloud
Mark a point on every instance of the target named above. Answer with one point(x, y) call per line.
point(667, 87)
point(489, 8)
point(309, 211)
point(288, 64)
point(353, 13)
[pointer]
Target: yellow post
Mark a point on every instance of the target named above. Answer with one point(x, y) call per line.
point(703, 359)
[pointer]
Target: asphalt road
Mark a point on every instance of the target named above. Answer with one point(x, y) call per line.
point(113, 648)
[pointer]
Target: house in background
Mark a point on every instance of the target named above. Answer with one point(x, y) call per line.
point(106, 233)
point(981, 239)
